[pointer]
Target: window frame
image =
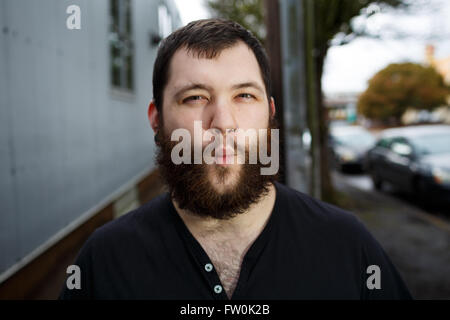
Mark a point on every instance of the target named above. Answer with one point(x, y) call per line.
point(121, 38)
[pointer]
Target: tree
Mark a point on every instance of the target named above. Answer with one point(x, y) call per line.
point(248, 13)
point(401, 86)
point(332, 25)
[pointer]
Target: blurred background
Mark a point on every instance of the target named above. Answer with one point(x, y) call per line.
point(362, 90)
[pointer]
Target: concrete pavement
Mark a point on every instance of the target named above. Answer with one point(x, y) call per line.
point(418, 243)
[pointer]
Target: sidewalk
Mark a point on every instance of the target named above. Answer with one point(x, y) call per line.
point(417, 242)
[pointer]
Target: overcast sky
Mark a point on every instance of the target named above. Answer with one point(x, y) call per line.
point(349, 67)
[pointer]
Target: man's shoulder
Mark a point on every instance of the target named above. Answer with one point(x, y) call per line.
point(325, 226)
point(145, 219)
point(316, 214)
point(340, 239)
point(304, 204)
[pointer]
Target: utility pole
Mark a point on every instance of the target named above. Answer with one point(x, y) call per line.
point(312, 105)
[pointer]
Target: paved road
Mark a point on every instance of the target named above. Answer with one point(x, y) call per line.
point(417, 242)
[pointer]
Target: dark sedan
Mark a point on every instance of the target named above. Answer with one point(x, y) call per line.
point(415, 159)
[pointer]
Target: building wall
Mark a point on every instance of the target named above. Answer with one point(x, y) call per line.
point(68, 140)
point(442, 66)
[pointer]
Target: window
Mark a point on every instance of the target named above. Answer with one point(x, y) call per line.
point(400, 146)
point(121, 45)
point(384, 143)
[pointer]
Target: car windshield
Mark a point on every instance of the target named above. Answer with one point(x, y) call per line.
point(356, 139)
point(432, 144)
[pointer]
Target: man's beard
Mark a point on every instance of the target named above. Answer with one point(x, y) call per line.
point(191, 187)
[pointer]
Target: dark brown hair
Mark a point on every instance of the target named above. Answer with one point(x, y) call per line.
point(206, 38)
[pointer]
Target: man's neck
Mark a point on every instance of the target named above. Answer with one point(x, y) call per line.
point(249, 222)
point(227, 241)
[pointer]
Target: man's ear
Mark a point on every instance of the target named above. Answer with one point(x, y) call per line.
point(153, 116)
point(272, 107)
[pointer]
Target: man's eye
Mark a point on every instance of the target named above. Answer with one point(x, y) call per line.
point(246, 96)
point(193, 98)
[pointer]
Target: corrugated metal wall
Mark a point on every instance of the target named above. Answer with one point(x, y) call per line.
point(67, 138)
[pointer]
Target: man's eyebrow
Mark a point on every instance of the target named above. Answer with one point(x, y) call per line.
point(191, 86)
point(251, 84)
point(202, 86)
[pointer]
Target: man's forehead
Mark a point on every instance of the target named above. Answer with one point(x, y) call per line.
point(238, 65)
point(211, 53)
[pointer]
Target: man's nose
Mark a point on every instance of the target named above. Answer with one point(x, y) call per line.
point(223, 116)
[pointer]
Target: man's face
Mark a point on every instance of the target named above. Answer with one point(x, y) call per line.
point(229, 93)
point(223, 93)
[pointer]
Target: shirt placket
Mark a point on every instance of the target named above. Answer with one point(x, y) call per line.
point(207, 269)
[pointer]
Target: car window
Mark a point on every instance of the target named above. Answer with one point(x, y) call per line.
point(401, 146)
point(398, 140)
point(384, 143)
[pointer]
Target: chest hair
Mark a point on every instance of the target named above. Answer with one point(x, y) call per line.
point(226, 257)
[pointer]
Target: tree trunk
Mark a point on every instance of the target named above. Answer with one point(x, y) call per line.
point(327, 190)
point(273, 47)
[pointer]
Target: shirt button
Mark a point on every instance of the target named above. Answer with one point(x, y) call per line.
point(208, 267)
point(218, 289)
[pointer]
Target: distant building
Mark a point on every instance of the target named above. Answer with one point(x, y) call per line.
point(442, 65)
point(342, 106)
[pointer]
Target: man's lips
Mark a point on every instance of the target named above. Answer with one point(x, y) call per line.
point(224, 152)
point(223, 155)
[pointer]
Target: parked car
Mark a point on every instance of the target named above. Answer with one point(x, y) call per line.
point(348, 146)
point(415, 159)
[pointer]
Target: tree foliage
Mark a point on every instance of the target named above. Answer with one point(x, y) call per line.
point(248, 13)
point(401, 86)
point(333, 18)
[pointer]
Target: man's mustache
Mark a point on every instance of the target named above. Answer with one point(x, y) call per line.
point(243, 146)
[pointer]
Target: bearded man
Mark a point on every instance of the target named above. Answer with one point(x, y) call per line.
point(225, 230)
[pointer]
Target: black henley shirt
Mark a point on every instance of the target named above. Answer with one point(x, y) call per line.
point(308, 249)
